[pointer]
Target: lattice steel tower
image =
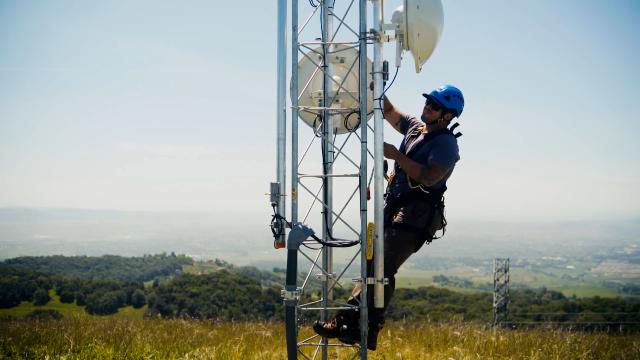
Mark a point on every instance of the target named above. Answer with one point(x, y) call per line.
point(329, 92)
point(500, 290)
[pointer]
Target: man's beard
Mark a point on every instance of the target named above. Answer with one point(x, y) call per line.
point(427, 122)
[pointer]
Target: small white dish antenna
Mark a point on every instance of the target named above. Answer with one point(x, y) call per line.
point(343, 88)
point(418, 25)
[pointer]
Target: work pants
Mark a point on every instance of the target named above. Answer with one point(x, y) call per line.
point(398, 246)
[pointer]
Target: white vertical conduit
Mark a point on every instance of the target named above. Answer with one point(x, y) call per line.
point(294, 111)
point(327, 156)
point(378, 144)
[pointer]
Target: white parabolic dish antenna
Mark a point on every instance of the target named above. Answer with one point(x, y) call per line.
point(420, 23)
point(343, 88)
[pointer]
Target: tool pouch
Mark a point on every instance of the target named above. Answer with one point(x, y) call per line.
point(424, 218)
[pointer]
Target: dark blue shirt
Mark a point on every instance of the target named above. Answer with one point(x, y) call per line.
point(441, 150)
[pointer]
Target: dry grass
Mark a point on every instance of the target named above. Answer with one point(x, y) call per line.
point(110, 338)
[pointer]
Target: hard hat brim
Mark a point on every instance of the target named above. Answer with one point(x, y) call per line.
point(431, 97)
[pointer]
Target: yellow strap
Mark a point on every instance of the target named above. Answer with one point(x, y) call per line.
point(371, 227)
point(391, 177)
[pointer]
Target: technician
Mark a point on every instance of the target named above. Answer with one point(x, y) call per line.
point(414, 202)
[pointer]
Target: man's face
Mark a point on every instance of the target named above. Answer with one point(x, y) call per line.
point(431, 111)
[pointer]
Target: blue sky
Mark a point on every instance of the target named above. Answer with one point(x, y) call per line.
point(170, 106)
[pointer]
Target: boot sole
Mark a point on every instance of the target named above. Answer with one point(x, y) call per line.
point(353, 342)
point(318, 329)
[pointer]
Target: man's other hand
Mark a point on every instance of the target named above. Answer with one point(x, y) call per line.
point(391, 152)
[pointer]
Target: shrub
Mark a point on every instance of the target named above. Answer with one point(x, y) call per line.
point(44, 314)
point(137, 299)
point(41, 297)
point(81, 299)
point(66, 296)
point(9, 294)
point(105, 303)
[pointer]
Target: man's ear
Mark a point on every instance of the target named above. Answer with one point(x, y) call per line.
point(448, 117)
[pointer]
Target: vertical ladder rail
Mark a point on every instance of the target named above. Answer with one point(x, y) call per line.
point(291, 302)
point(364, 87)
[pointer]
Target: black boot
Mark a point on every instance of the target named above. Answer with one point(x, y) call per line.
point(338, 327)
point(352, 336)
point(329, 329)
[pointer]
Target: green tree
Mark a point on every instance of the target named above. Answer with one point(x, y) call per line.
point(9, 293)
point(221, 295)
point(138, 299)
point(66, 296)
point(104, 302)
point(81, 299)
point(27, 289)
point(41, 297)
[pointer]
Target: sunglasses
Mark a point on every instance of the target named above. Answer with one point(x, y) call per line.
point(435, 106)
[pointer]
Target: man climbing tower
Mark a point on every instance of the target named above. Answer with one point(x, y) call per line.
point(414, 203)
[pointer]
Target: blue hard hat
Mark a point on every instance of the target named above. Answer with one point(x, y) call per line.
point(449, 96)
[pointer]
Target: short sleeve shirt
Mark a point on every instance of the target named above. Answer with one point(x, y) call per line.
point(441, 150)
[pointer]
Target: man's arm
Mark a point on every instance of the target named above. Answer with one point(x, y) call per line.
point(394, 116)
point(426, 175)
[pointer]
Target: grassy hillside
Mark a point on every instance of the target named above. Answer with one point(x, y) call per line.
point(67, 310)
point(581, 281)
point(109, 338)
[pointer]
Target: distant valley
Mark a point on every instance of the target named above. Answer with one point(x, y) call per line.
point(562, 255)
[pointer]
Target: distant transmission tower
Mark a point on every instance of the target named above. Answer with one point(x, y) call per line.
point(500, 290)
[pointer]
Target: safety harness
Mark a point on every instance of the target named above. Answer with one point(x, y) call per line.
point(417, 194)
